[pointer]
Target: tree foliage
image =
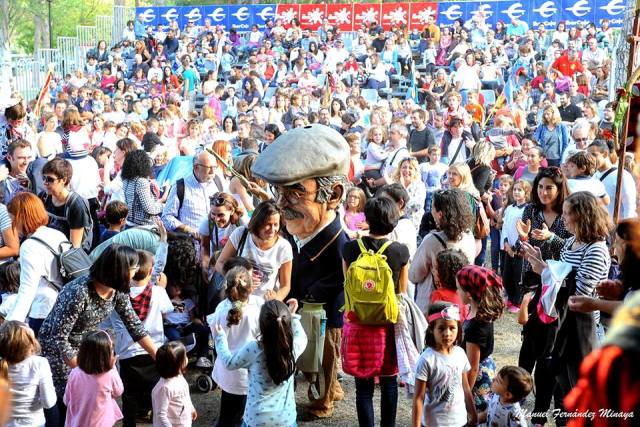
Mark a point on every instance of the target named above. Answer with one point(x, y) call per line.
point(26, 21)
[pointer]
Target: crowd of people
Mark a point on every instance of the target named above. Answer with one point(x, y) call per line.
point(218, 182)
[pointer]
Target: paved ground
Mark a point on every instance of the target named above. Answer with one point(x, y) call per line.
point(507, 346)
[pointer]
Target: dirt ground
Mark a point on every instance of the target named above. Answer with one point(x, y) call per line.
point(507, 346)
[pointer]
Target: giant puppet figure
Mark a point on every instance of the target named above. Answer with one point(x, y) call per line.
point(307, 168)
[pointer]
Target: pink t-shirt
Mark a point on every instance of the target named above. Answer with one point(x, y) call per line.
point(353, 219)
point(91, 399)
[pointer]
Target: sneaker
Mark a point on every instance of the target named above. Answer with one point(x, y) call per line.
point(203, 362)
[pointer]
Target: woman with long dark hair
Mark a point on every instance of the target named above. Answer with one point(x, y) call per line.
point(543, 227)
point(138, 193)
point(271, 254)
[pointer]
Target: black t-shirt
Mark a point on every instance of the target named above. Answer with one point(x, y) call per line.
point(378, 44)
point(397, 254)
point(73, 214)
point(480, 333)
point(421, 139)
point(570, 113)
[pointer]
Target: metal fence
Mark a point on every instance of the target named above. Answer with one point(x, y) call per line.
point(104, 28)
point(121, 14)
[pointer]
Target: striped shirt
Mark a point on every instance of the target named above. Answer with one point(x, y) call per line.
point(591, 262)
point(195, 205)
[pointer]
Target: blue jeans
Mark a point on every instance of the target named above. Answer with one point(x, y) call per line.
point(388, 401)
point(375, 84)
point(495, 249)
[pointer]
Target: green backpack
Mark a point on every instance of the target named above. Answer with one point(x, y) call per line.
point(368, 288)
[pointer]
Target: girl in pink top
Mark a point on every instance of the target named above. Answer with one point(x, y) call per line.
point(94, 384)
point(354, 212)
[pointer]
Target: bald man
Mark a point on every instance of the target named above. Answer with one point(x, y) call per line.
point(189, 198)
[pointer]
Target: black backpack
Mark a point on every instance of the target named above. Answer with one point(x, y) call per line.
point(72, 262)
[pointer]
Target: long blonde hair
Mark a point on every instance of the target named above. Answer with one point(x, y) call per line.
point(466, 181)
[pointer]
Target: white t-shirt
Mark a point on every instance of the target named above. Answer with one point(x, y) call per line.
point(85, 178)
point(511, 216)
point(589, 184)
point(266, 264)
point(8, 302)
point(235, 381)
point(506, 415)
point(444, 398)
point(32, 389)
point(52, 140)
point(160, 304)
point(223, 233)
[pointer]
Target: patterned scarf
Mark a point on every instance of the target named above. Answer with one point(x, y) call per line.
point(142, 303)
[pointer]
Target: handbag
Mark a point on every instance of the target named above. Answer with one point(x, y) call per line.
point(481, 226)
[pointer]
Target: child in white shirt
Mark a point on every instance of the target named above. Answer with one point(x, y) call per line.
point(510, 386)
point(238, 315)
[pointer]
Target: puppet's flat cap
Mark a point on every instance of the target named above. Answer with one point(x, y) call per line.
point(303, 153)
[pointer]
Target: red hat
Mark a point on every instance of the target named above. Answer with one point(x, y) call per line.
point(476, 280)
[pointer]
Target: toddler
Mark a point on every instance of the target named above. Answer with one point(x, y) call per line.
point(116, 217)
point(94, 384)
point(171, 400)
point(510, 386)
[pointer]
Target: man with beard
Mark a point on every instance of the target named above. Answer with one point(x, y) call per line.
point(307, 168)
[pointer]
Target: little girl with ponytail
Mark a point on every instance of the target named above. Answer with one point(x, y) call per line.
point(271, 362)
point(239, 316)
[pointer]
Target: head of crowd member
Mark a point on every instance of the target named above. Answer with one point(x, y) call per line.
point(56, 174)
point(580, 134)
point(124, 146)
point(225, 210)
point(204, 167)
point(398, 135)
point(271, 132)
point(418, 119)
point(547, 190)
point(244, 129)
point(551, 115)
point(459, 176)
point(59, 109)
point(456, 127)
point(564, 98)
point(397, 193)
point(19, 155)
point(452, 213)
point(324, 117)
point(15, 114)
point(609, 112)
point(584, 217)
point(580, 164)
point(27, 213)
point(299, 121)
point(602, 152)
point(310, 186)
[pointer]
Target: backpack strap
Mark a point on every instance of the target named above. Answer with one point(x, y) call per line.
point(180, 193)
point(440, 239)
point(362, 247)
point(243, 239)
point(384, 246)
point(607, 173)
point(48, 246)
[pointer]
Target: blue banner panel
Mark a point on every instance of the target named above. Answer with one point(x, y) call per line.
point(217, 15)
point(450, 11)
point(239, 17)
point(168, 14)
point(507, 10)
point(544, 12)
point(613, 10)
point(577, 12)
point(149, 15)
point(261, 13)
point(193, 14)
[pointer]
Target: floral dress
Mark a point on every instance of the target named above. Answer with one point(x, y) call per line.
point(415, 207)
point(79, 309)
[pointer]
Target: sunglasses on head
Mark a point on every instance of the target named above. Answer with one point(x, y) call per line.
point(218, 200)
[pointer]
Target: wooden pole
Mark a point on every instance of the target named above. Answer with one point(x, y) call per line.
point(622, 151)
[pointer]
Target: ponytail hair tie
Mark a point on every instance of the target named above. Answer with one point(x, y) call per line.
point(237, 304)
